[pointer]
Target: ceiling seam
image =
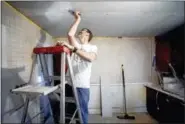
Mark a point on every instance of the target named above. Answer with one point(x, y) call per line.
point(18, 12)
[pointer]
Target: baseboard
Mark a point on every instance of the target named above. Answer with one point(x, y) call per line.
point(118, 83)
point(119, 110)
point(130, 110)
point(94, 111)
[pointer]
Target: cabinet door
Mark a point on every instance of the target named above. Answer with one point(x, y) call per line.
point(177, 110)
point(163, 108)
point(171, 110)
point(181, 107)
point(152, 108)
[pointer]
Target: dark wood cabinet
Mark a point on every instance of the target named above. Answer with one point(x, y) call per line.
point(163, 51)
point(151, 103)
point(170, 48)
point(164, 108)
point(176, 114)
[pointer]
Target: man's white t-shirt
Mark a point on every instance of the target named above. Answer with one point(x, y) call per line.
point(82, 67)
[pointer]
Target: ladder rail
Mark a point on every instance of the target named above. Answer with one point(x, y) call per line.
point(25, 110)
point(74, 87)
point(43, 67)
point(45, 72)
point(41, 64)
point(46, 67)
point(73, 116)
point(45, 63)
point(62, 88)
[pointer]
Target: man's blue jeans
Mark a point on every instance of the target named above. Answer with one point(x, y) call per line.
point(83, 95)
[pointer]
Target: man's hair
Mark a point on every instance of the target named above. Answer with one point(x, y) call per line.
point(90, 33)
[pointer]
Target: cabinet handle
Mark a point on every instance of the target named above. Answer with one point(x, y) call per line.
point(157, 100)
point(167, 100)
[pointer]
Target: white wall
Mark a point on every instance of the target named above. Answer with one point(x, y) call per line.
point(19, 37)
point(136, 56)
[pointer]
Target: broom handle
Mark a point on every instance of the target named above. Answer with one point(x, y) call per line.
point(124, 93)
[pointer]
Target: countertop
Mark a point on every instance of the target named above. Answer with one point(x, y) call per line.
point(158, 88)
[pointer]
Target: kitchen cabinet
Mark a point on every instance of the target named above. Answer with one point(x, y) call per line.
point(163, 51)
point(164, 108)
point(170, 48)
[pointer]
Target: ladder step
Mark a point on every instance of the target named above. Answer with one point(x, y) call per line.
point(35, 89)
point(71, 115)
point(67, 99)
point(54, 77)
point(70, 100)
point(76, 119)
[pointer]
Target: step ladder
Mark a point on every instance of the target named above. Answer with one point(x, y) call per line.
point(34, 89)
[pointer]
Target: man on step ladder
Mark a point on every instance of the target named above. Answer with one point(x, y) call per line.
point(84, 54)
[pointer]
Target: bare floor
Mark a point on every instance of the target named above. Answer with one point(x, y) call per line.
point(139, 118)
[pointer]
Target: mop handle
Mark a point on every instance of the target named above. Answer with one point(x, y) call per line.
point(124, 93)
point(123, 77)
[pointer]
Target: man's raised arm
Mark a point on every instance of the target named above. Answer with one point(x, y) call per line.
point(73, 29)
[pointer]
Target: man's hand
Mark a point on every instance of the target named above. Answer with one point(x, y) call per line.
point(71, 34)
point(77, 14)
point(63, 43)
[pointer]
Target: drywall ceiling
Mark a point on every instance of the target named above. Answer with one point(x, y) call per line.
point(105, 18)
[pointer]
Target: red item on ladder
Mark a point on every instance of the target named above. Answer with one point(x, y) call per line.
point(54, 50)
point(51, 50)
